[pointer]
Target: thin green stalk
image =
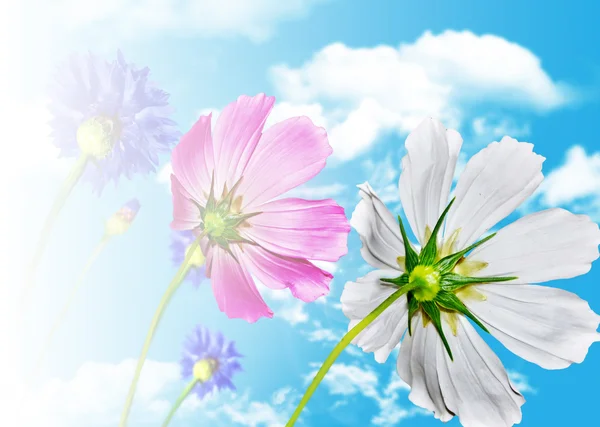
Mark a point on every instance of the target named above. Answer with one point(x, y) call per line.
point(337, 350)
point(70, 299)
point(188, 389)
point(57, 206)
point(173, 286)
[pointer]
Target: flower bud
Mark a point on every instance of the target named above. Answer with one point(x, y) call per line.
point(120, 221)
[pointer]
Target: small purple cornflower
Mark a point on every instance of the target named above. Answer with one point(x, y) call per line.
point(121, 220)
point(210, 361)
point(111, 113)
point(180, 243)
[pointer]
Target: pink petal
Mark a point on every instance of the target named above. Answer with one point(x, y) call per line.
point(237, 133)
point(309, 229)
point(186, 215)
point(234, 289)
point(306, 281)
point(288, 154)
point(192, 159)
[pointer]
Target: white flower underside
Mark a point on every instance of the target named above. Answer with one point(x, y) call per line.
point(547, 326)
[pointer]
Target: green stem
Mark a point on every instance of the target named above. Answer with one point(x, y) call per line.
point(70, 299)
point(57, 206)
point(188, 389)
point(173, 286)
point(337, 350)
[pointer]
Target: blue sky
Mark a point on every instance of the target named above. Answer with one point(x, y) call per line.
point(369, 73)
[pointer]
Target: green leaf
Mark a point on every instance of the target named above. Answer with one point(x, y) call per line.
point(433, 311)
point(452, 281)
point(451, 302)
point(413, 306)
point(412, 258)
point(446, 264)
point(429, 251)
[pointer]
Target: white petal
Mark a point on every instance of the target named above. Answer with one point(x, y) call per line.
point(475, 386)
point(547, 326)
point(361, 298)
point(494, 183)
point(378, 230)
point(417, 366)
point(548, 245)
point(427, 172)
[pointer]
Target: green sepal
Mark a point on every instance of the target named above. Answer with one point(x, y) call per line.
point(211, 202)
point(411, 256)
point(452, 282)
point(236, 219)
point(225, 204)
point(450, 301)
point(413, 306)
point(399, 281)
point(446, 264)
point(432, 310)
point(429, 251)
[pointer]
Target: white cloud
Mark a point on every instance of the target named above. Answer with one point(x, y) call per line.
point(95, 397)
point(293, 312)
point(371, 91)
point(496, 127)
point(285, 110)
point(242, 411)
point(345, 380)
point(254, 19)
point(320, 334)
point(30, 149)
point(383, 177)
point(578, 177)
point(280, 395)
point(520, 381)
point(317, 191)
point(284, 305)
point(164, 175)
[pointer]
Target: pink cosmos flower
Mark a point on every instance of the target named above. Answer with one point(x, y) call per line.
point(225, 187)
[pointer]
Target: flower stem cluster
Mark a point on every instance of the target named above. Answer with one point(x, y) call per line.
point(434, 282)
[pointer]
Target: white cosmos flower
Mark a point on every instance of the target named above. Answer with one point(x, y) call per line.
point(547, 326)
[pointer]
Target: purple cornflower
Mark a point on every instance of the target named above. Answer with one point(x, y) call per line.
point(111, 113)
point(210, 360)
point(181, 241)
point(120, 221)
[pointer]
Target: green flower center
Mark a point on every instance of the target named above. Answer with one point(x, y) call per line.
point(222, 220)
point(97, 136)
point(434, 276)
point(214, 224)
point(204, 369)
point(427, 281)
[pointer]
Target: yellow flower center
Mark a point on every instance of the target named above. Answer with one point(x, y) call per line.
point(97, 136)
point(204, 369)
